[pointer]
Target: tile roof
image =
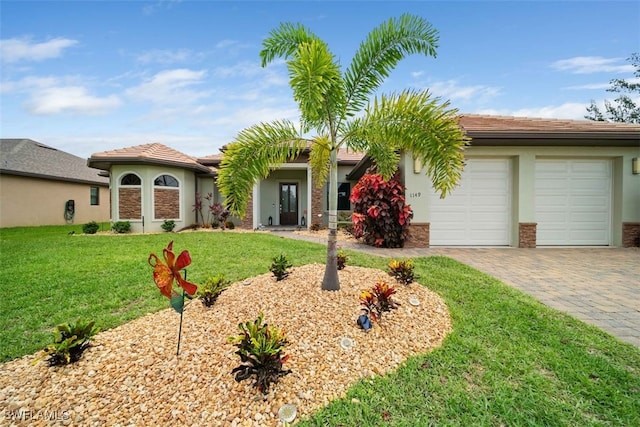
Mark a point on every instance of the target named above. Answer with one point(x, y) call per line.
point(154, 153)
point(345, 157)
point(30, 158)
point(478, 124)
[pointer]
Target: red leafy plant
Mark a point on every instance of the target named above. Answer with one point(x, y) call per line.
point(261, 350)
point(377, 300)
point(380, 214)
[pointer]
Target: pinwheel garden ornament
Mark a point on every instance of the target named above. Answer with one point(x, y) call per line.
point(166, 273)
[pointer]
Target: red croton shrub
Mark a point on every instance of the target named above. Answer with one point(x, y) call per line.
point(380, 215)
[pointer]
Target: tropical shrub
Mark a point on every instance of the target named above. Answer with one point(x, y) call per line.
point(380, 216)
point(342, 259)
point(70, 340)
point(229, 224)
point(260, 347)
point(211, 289)
point(121, 227)
point(377, 300)
point(168, 225)
point(401, 270)
point(220, 214)
point(280, 267)
point(315, 227)
point(90, 228)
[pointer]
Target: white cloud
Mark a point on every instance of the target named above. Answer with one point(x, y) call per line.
point(16, 50)
point(170, 87)
point(568, 110)
point(450, 89)
point(70, 99)
point(592, 64)
point(590, 86)
point(232, 47)
point(150, 9)
point(166, 56)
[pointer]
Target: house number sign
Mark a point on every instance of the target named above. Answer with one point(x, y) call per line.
point(415, 195)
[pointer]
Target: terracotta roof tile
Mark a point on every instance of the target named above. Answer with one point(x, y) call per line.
point(477, 123)
point(146, 153)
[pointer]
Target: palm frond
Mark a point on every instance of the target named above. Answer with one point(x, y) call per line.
point(283, 42)
point(319, 160)
point(317, 84)
point(415, 122)
point(251, 156)
point(379, 54)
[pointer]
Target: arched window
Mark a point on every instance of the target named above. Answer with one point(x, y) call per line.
point(166, 197)
point(166, 181)
point(130, 179)
point(130, 197)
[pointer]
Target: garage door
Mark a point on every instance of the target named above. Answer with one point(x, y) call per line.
point(573, 202)
point(478, 212)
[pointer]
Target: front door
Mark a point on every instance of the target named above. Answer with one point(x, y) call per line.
point(288, 204)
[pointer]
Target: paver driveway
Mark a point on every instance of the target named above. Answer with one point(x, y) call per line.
point(600, 286)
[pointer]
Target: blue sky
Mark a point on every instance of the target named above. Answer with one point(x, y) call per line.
point(90, 76)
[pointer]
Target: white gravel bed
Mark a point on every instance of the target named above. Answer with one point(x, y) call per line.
point(131, 375)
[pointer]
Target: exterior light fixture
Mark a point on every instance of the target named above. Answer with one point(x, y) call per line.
point(635, 166)
point(417, 166)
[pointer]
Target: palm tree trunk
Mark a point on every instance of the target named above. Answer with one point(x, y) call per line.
point(331, 282)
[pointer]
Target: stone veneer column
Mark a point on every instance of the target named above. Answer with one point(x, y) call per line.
point(247, 221)
point(418, 235)
point(527, 234)
point(316, 206)
point(630, 234)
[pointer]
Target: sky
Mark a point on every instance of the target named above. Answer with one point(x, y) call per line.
point(91, 76)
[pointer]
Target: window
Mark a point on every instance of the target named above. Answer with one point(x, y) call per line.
point(95, 196)
point(165, 181)
point(166, 197)
point(344, 192)
point(130, 179)
point(130, 198)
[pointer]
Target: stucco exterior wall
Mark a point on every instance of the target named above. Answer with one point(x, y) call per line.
point(625, 204)
point(270, 194)
point(147, 174)
point(26, 201)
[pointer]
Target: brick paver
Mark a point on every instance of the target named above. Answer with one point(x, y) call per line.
point(600, 286)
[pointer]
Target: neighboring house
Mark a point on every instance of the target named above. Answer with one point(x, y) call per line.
point(40, 185)
point(527, 183)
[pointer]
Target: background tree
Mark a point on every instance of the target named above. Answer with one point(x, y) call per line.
point(338, 107)
point(624, 108)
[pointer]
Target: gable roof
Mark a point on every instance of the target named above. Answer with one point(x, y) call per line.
point(479, 126)
point(153, 154)
point(26, 157)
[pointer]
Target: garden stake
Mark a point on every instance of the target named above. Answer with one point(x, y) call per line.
point(181, 311)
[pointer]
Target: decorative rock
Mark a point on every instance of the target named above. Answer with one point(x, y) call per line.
point(134, 378)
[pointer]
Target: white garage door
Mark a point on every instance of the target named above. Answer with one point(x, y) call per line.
point(573, 202)
point(478, 212)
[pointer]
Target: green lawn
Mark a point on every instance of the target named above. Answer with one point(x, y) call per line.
point(509, 360)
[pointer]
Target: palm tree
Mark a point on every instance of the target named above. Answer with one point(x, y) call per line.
point(339, 108)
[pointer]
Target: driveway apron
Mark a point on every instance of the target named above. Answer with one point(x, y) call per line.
point(600, 286)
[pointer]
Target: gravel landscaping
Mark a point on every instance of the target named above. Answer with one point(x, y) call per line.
point(132, 376)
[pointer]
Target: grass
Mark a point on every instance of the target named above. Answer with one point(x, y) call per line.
point(508, 361)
